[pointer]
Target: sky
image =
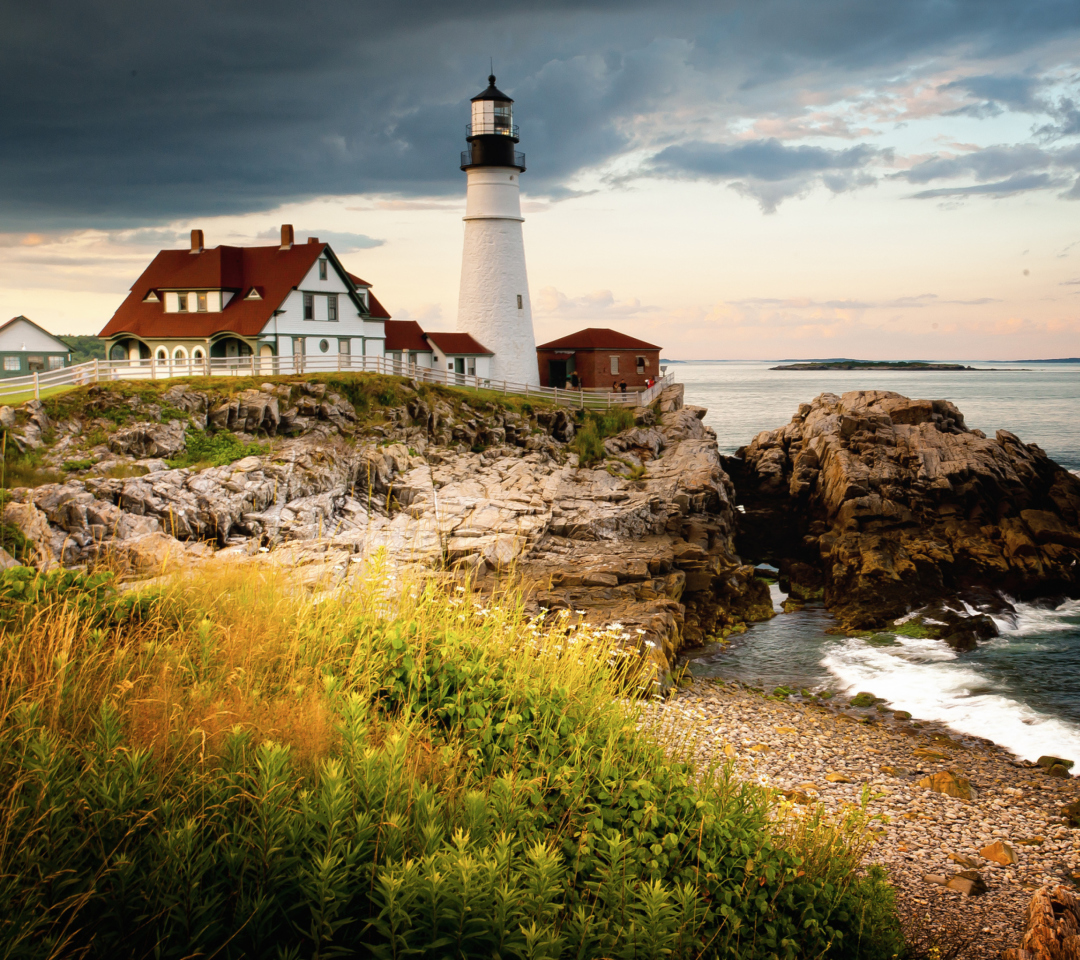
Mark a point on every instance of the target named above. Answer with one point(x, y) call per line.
point(732, 179)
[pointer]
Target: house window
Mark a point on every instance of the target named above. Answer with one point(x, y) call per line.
point(181, 303)
point(343, 347)
point(520, 303)
point(309, 306)
point(324, 345)
point(472, 367)
point(35, 363)
point(614, 364)
point(201, 299)
point(12, 363)
point(641, 364)
point(331, 307)
point(322, 269)
point(197, 353)
point(55, 363)
point(298, 346)
point(162, 354)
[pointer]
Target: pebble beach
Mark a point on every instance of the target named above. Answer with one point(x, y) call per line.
point(817, 752)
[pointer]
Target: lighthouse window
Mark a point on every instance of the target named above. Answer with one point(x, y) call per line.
point(520, 304)
point(502, 117)
point(614, 364)
point(309, 306)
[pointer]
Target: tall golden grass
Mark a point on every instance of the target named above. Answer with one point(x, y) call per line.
point(226, 763)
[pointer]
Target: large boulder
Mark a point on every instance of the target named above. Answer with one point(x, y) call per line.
point(897, 503)
point(143, 440)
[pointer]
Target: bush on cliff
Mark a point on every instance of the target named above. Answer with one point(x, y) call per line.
point(233, 768)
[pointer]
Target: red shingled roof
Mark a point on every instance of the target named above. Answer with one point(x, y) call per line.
point(405, 335)
point(459, 344)
point(376, 309)
point(273, 271)
point(597, 338)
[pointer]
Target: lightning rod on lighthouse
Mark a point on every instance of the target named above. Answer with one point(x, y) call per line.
point(493, 300)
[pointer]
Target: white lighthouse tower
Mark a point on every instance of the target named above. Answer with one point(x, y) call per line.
point(493, 302)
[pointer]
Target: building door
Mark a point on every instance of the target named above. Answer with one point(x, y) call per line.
point(556, 373)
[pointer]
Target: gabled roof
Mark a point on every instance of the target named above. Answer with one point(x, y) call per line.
point(63, 346)
point(597, 338)
point(405, 335)
point(275, 272)
point(459, 344)
point(376, 309)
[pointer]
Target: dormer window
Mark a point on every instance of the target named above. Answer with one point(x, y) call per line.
point(322, 269)
point(181, 303)
point(151, 297)
point(201, 300)
point(253, 294)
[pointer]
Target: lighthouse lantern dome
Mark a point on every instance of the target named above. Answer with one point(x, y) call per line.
point(492, 113)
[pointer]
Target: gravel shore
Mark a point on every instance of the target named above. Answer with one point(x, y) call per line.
point(827, 753)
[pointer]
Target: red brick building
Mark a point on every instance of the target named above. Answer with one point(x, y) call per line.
point(599, 357)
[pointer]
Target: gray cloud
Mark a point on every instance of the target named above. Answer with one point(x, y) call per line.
point(1020, 183)
point(341, 242)
point(119, 114)
point(766, 169)
point(996, 94)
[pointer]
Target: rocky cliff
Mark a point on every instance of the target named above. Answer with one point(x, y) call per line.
point(429, 476)
point(881, 504)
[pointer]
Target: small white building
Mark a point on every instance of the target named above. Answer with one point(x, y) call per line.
point(26, 348)
point(454, 353)
point(290, 301)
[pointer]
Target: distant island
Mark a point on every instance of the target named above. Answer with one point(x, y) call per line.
point(872, 365)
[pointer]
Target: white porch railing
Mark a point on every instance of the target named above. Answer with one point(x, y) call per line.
point(96, 371)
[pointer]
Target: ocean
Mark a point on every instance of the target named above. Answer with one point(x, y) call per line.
point(1021, 689)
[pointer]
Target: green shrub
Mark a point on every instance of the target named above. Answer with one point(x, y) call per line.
point(70, 466)
point(214, 450)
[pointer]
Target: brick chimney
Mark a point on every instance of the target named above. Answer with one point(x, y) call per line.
point(312, 239)
point(196, 241)
point(286, 236)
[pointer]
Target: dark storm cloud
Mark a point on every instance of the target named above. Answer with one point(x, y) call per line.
point(122, 113)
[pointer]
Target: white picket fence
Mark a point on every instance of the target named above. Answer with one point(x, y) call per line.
point(98, 371)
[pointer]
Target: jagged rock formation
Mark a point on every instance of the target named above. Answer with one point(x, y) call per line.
point(645, 539)
point(884, 504)
point(1052, 931)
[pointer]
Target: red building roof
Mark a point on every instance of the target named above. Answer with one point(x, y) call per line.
point(597, 338)
point(405, 335)
point(461, 344)
point(272, 271)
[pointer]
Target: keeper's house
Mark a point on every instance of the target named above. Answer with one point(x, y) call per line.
point(599, 358)
point(289, 301)
point(26, 348)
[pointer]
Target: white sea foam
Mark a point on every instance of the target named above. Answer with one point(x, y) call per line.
point(778, 597)
point(928, 679)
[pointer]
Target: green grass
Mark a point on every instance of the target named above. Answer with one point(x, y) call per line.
point(224, 766)
point(15, 399)
point(588, 442)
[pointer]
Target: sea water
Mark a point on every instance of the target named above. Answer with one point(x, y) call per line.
point(1021, 689)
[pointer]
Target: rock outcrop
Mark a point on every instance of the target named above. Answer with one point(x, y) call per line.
point(644, 539)
point(882, 504)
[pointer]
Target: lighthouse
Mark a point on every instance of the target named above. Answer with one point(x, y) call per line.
point(493, 300)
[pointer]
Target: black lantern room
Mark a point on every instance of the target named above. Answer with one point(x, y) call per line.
point(492, 135)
